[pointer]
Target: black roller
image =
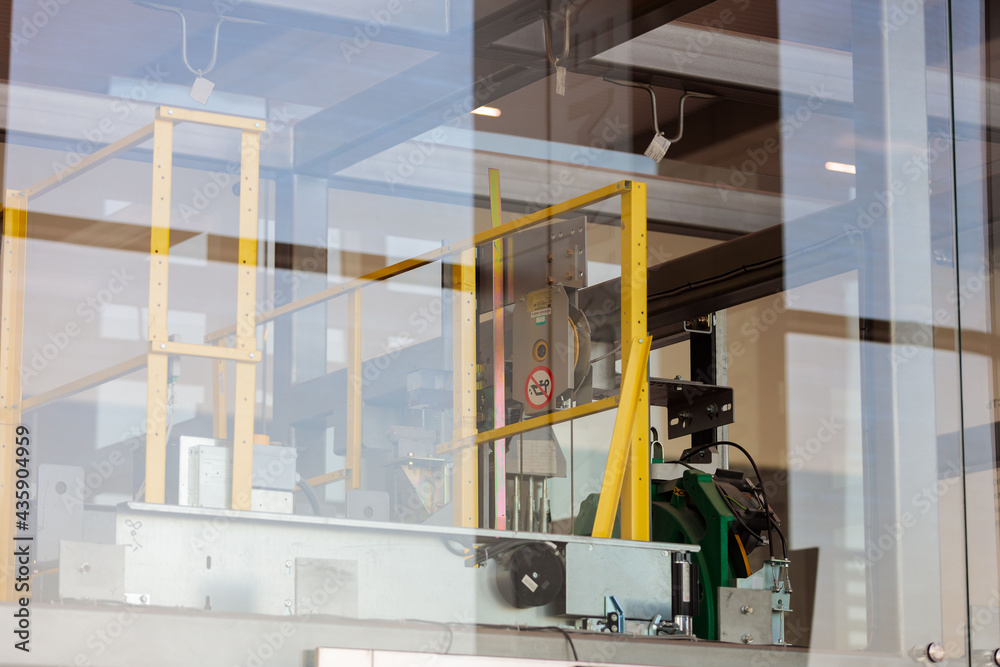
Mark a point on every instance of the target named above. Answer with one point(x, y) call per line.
point(530, 575)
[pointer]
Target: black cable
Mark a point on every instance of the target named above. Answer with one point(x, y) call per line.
point(311, 497)
point(686, 465)
point(449, 545)
point(746, 268)
point(565, 633)
point(784, 543)
point(726, 499)
point(760, 481)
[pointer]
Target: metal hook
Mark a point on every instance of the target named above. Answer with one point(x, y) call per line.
point(555, 60)
point(184, 41)
point(652, 96)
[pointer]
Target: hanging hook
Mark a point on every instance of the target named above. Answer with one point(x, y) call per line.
point(652, 97)
point(184, 40)
point(555, 60)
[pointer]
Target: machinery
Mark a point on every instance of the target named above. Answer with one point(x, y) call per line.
point(408, 521)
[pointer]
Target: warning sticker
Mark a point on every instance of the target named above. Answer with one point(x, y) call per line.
point(538, 387)
point(539, 303)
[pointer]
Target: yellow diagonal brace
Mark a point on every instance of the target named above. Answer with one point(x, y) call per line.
point(614, 472)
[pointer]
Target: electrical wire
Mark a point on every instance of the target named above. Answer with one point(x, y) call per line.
point(760, 481)
point(642, 86)
point(310, 495)
point(569, 639)
point(746, 268)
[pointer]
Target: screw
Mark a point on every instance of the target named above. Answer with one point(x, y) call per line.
point(746, 609)
point(614, 617)
point(781, 603)
point(256, 124)
point(251, 355)
point(569, 251)
point(712, 410)
point(936, 652)
point(590, 547)
point(163, 346)
point(288, 603)
point(569, 275)
point(288, 563)
point(170, 111)
point(144, 599)
point(85, 568)
point(534, 575)
point(747, 638)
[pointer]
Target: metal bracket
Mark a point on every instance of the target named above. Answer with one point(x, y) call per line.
point(615, 615)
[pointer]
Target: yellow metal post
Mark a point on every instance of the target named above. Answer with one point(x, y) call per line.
point(156, 364)
point(246, 323)
point(12, 314)
point(354, 391)
point(499, 365)
point(465, 472)
point(623, 439)
point(635, 495)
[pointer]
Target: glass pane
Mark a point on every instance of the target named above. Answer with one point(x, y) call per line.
point(423, 325)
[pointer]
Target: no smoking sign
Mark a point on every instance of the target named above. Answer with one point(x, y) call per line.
point(538, 387)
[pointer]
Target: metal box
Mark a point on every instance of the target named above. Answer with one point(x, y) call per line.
point(638, 578)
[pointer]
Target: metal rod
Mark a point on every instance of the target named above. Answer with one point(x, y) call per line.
point(499, 361)
point(438, 254)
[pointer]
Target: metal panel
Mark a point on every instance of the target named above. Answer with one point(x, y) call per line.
point(744, 616)
point(57, 519)
point(312, 578)
point(640, 580)
point(89, 571)
point(692, 406)
point(248, 553)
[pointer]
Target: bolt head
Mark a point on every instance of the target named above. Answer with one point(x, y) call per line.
point(144, 599)
point(746, 609)
point(288, 603)
point(163, 346)
point(936, 652)
point(747, 638)
point(251, 355)
point(256, 124)
point(170, 111)
point(288, 563)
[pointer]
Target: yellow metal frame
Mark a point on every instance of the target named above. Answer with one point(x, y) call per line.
point(244, 354)
point(627, 472)
point(631, 445)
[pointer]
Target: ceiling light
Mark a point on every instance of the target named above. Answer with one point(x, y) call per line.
point(487, 111)
point(841, 167)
